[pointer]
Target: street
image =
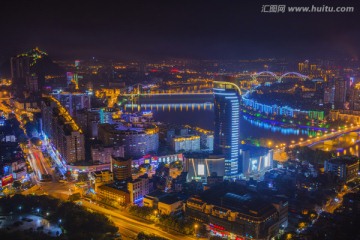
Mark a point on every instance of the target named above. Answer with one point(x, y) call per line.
point(129, 227)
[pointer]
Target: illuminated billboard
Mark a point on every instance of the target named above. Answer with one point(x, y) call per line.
point(7, 180)
point(201, 169)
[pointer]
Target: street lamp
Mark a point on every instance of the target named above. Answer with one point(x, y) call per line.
point(195, 227)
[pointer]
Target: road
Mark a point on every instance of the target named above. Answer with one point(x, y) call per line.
point(54, 154)
point(38, 163)
point(6, 108)
point(129, 227)
point(337, 201)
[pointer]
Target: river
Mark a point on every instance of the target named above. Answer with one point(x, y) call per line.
point(198, 110)
point(204, 118)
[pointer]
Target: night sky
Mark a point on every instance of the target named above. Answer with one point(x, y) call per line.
point(202, 29)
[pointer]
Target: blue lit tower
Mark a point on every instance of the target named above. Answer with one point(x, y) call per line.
point(226, 134)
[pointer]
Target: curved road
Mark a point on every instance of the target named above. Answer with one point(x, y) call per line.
point(129, 227)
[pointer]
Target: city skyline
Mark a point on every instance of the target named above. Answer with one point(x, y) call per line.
point(186, 120)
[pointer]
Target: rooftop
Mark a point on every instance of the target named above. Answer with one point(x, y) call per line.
point(348, 160)
point(121, 159)
point(247, 205)
point(101, 172)
point(255, 151)
point(156, 194)
point(122, 129)
point(169, 199)
point(115, 188)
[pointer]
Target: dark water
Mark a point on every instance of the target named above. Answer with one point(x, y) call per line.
point(195, 114)
point(201, 118)
point(248, 128)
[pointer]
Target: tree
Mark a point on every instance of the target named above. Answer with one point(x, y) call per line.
point(76, 220)
point(68, 175)
point(16, 184)
point(74, 197)
point(143, 236)
point(83, 177)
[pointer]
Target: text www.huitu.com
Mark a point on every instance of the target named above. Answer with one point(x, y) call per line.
point(306, 9)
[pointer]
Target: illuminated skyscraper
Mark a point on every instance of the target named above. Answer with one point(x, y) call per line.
point(226, 134)
point(301, 67)
point(73, 101)
point(22, 75)
point(20, 71)
point(355, 97)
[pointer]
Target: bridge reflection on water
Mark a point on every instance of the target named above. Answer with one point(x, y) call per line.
point(202, 115)
point(272, 126)
point(171, 106)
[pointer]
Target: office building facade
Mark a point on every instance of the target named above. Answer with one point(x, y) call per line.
point(186, 144)
point(137, 142)
point(201, 166)
point(227, 129)
point(102, 154)
point(346, 168)
point(138, 189)
point(340, 93)
point(237, 217)
point(63, 131)
point(121, 168)
point(73, 101)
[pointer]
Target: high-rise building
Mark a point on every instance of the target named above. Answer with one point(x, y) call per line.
point(32, 83)
point(77, 63)
point(301, 67)
point(329, 94)
point(306, 66)
point(340, 92)
point(102, 154)
point(206, 139)
point(189, 143)
point(355, 97)
point(346, 168)
point(138, 189)
point(121, 167)
point(59, 126)
point(226, 134)
point(20, 71)
point(73, 101)
point(136, 141)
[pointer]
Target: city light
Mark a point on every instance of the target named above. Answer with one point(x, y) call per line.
point(185, 121)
